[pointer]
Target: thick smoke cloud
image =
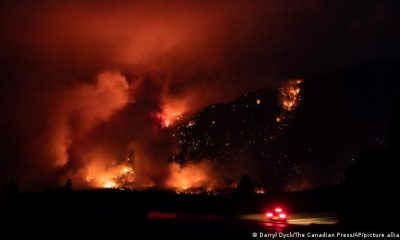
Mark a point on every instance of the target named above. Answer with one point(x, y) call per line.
point(84, 83)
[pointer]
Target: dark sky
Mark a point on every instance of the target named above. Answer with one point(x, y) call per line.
point(84, 83)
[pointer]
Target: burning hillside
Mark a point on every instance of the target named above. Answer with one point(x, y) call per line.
point(193, 139)
point(137, 94)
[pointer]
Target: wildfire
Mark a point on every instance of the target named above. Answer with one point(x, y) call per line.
point(171, 111)
point(290, 94)
point(109, 184)
point(191, 176)
point(260, 190)
point(186, 178)
point(183, 178)
point(191, 123)
point(119, 176)
point(168, 118)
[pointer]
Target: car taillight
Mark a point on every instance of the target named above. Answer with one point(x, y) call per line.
point(278, 209)
point(269, 214)
point(282, 215)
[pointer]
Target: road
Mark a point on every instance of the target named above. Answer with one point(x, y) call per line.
point(188, 226)
point(299, 218)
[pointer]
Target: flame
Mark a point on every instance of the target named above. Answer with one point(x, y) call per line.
point(290, 94)
point(185, 178)
point(168, 118)
point(260, 190)
point(119, 176)
point(171, 112)
point(109, 184)
point(191, 176)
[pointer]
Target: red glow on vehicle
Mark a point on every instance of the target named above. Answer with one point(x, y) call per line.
point(276, 214)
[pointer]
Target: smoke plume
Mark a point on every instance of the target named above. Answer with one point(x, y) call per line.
point(89, 88)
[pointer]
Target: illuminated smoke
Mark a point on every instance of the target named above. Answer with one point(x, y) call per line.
point(148, 166)
point(81, 109)
point(192, 176)
point(167, 62)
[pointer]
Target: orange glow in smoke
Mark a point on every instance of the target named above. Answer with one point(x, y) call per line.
point(183, 178)
point(89, 105)
point(168, 118)
point(191, 176)
point(171, 112)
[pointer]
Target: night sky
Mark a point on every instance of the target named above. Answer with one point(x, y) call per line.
point(186, 94)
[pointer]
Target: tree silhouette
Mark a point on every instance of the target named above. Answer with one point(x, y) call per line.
point(68, 185)
point(245, 188)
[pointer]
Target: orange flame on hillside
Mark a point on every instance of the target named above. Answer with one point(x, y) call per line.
point(290, 94)
point(191, 176)
point(171, 112)
point(188, 178)
point(119, 176)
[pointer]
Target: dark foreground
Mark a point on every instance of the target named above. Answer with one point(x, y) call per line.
point(161, 225)
point(236, 227)
point(162, 215)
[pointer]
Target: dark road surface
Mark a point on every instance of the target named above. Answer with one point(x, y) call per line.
point(161, 225)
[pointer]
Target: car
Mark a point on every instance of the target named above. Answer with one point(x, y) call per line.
point(276, 215)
